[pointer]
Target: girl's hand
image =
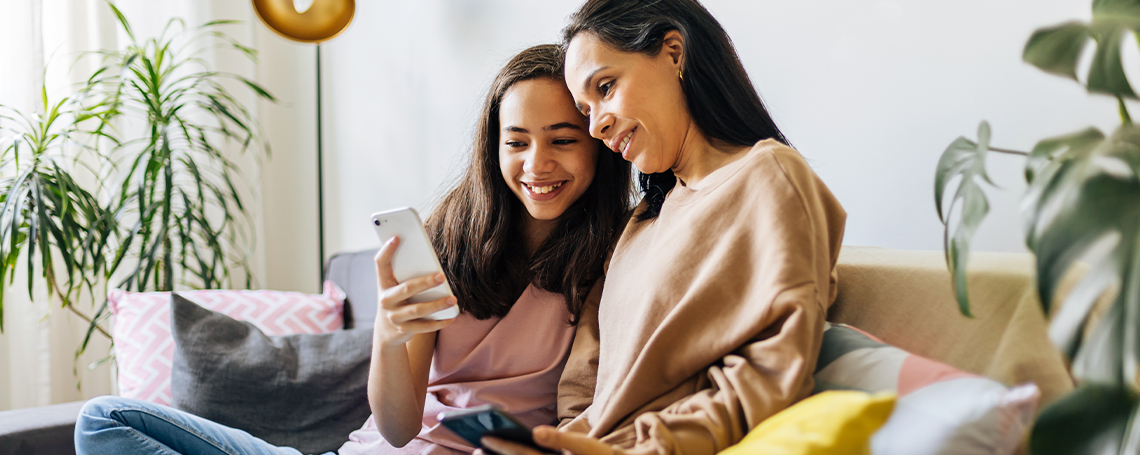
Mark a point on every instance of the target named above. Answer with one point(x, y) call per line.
point(547, 436)
point(396, 320)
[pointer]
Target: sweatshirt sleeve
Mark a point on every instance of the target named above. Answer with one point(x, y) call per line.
point(576, 386)
point(763, 292)
point(759, 379)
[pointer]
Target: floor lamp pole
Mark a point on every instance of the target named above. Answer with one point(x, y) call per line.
point(320, 183)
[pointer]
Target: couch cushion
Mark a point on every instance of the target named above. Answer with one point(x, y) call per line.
point(940, 409)
point(832, 422)
point(906, 299)
point(46, 430)
point(355, 273)
point(306, 391)
point(144, 347)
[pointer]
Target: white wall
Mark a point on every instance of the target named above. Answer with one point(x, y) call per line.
point(870, 91)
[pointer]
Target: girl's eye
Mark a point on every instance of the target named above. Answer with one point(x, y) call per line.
point(604, 89)
point(516, 144)
point(565, 141)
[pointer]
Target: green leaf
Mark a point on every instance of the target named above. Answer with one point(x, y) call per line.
point(1090, 420)
point(974, 209)
point(1102, 357)
point(219, 22)
point(1068, 147)
point(1083, 204)
point(1088, 203)
point(122, 20)
point(964, 160)
point(1057, 49)
point(1107, 72)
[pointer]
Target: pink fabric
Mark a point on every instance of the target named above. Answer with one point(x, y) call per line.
point(144, 348)
point(514, 363)
point(918, 372)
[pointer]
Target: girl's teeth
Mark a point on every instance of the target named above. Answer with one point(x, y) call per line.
point(625, 142)
point(543, 189)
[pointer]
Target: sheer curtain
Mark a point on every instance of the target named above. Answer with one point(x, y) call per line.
point(40, 41)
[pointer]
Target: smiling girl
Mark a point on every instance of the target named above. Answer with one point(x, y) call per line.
point(522, 238)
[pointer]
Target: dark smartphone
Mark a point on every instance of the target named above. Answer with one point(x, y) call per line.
point(472, 424)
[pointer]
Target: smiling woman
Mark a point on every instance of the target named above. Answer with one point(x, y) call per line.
point(713, 310)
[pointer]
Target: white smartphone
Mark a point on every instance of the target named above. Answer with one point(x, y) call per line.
point(415, 257)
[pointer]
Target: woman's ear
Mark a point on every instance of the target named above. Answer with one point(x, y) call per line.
point(673, 46)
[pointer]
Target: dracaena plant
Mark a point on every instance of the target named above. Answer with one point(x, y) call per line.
point(1082, 204)
point(173, 181)
point(46, 215)
point(161, 206)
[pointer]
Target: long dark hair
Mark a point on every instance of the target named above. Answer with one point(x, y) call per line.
point(477, 226)
point(720, 97)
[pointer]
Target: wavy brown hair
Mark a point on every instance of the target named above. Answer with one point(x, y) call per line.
point(477, 227)
point(718, 93)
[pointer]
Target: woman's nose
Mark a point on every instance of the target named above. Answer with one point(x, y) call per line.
point(600, 125)
point(539, 161)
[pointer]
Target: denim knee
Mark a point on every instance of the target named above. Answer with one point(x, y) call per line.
point(102, 407)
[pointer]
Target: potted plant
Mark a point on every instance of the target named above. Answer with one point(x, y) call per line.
point(165, 209)
point(1082, 204)
point(45, 214)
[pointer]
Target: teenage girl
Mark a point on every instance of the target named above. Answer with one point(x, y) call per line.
point(522, 239)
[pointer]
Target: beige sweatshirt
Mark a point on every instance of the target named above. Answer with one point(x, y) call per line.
point(712, 313)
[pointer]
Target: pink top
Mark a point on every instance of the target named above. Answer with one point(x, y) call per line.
point(513, 362)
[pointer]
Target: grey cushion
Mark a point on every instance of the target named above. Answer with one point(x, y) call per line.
point(302, 391)
point(355, 273)
point(46, 430)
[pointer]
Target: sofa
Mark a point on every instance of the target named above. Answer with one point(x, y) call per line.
point(902, 297)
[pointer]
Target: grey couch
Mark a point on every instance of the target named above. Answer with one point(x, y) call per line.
point(48, 430)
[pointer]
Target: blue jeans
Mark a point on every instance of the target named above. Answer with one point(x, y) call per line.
point(125, 426)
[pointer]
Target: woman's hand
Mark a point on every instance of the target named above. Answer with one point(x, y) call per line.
point(547, 436)
point(396, 320)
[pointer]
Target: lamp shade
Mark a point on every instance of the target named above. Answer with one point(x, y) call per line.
point(322, 21)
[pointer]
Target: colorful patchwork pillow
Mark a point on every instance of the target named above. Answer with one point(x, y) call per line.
point(940, 409)
point(144, 348)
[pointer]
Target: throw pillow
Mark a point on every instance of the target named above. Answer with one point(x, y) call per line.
point(144, 348)
point(302, 391)
point(829, 423)
point(940, 409)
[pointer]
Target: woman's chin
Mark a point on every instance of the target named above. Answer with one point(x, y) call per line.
point(649, 168)
point(544, 215)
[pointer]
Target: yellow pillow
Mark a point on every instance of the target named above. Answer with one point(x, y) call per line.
point(830, 423)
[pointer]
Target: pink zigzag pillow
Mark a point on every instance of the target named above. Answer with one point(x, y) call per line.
point(144, 348)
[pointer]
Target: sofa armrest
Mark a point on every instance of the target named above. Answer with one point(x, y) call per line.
point(46, 430)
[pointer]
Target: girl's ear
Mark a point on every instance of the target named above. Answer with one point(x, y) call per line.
point(673, 46)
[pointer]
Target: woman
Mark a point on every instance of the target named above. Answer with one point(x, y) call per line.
point(716, 293)
point(522, 239)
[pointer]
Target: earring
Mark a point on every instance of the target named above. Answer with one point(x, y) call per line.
point(680, 75)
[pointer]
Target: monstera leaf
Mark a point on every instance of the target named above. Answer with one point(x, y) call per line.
point(965, 159)
point(1099, 413)
point(1057, 49)
point(1084, 204)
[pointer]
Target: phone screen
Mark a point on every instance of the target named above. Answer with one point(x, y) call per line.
point(473, 424)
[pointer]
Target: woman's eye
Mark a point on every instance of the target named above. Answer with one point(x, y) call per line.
point(565, 141)
point(516, 144)
point(604, 89)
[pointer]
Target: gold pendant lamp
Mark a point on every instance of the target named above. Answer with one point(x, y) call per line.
point(310, 21)
point(307, 21)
